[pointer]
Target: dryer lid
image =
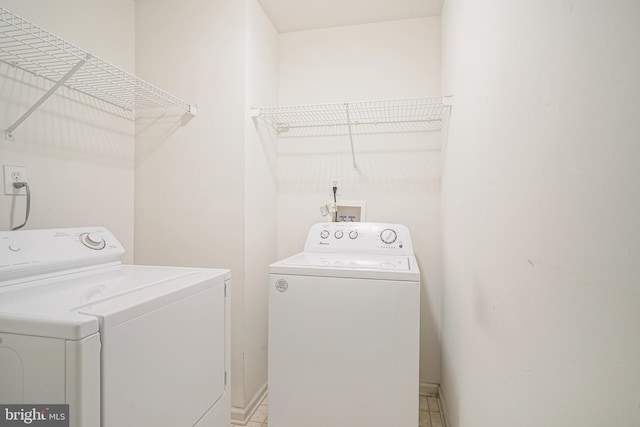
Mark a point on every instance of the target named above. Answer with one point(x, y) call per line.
point(69, 305)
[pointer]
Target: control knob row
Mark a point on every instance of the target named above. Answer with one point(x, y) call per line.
point(339, 234)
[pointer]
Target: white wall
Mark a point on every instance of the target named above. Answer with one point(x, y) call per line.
point(79, 152)
point(205, 191)
point(260, 194)
point(398, 173)
point(190, 171)
point(541, 215)
point(202, 193)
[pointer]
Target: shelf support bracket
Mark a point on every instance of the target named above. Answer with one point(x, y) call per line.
point(8, 133)
point(353, 153)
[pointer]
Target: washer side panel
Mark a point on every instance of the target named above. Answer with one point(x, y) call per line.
point(342, 350)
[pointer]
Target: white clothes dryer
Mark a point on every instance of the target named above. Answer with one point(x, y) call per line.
point(344, 319)
point(122, 345)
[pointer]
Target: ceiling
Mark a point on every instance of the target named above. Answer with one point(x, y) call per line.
point(298, 15)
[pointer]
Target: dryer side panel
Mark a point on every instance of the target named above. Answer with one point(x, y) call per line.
point(165, 367)
point(83, 381)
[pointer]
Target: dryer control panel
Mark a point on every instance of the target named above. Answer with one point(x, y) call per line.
point(26, 253)
point(361, 237)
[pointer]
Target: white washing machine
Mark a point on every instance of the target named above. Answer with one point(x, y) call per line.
point(121, 345)
point(344, 320)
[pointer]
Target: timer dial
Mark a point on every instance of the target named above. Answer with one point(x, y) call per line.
point(338, 234)
point(353, 234)
point(324, 234)
point(388, 236)
point(93, 241)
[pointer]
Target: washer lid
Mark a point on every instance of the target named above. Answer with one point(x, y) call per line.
point(69, 306)
point(349, 265)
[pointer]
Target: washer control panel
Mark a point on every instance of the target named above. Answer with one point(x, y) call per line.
point(363, 237)
point(26, 253)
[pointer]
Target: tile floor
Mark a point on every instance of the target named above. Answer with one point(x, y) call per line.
point(259, 417)
point(429, 413)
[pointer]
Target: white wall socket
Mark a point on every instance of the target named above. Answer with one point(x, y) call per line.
point(14, 174)
point(335, 182)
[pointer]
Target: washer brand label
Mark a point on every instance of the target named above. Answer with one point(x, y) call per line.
point(34, 415)
point(282, 285)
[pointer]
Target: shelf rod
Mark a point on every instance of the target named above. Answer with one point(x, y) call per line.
point(8, 134)
point(353, 153)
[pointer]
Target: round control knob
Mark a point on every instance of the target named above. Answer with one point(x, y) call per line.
point(388, 236)
point(338, 234)
point(353, 234)
point(93, 241)
point(324, 234)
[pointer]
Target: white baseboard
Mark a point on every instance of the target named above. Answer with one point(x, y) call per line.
point(241, 416)
point(443, 408)
point(429, 389)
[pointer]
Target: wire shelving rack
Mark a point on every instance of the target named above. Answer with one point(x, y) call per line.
point(33, 49)
point(428, 111)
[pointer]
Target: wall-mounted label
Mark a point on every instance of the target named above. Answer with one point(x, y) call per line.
point(281, 285)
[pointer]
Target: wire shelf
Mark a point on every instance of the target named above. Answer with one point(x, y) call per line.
point(33, 49)
point(415, 110)
point(427, 112)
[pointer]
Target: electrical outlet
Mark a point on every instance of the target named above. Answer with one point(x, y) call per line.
point(14, 174)
point(335, 182)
